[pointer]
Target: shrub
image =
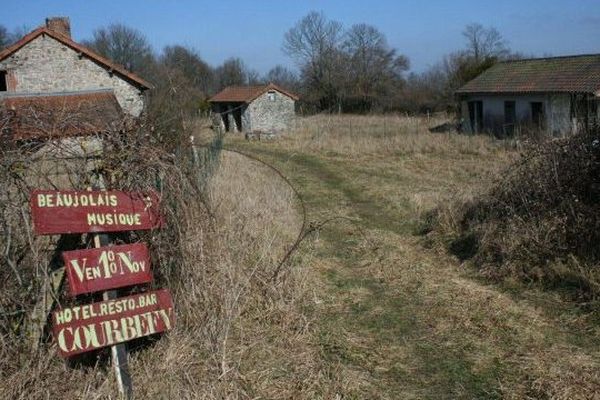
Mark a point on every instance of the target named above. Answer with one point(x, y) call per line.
point(540, 220)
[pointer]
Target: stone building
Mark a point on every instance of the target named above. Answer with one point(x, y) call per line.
point(254, 109)
point(555, 95)
point(64, 83)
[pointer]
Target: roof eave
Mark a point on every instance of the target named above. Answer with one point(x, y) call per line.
point(211, 100)
point(510, 92)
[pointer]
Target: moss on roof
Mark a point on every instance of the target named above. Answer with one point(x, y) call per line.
point(571, 74)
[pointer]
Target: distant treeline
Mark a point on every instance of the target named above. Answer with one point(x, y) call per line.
point(339, 69)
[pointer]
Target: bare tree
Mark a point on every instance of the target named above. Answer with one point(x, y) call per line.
point(312, 37)
point(314, 44)
point(434, 89)
point(484, 42)
point(282, 76)
point(191, 65)
point(124, 45)
point(4, 37)
point(253, 77)
point(232, 72)
point(7, 38)
point(375, 69)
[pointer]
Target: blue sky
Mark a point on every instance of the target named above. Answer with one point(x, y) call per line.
point(253, 30)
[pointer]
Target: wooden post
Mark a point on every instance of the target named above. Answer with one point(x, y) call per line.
point(119, 351)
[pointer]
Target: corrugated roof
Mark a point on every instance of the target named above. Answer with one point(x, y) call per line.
point(59, 115)
point(572, 74)
point(245, 94)
point(106, 63)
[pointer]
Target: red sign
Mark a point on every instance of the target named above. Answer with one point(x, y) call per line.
point(88, 327)
point(106, 268)
point(70, 211)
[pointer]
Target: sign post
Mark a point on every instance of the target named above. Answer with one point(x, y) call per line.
point(106, 267)
point(118, 352)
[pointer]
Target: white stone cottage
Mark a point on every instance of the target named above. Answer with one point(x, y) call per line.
point(555, 95)
point(254, 109)
point(72, 85)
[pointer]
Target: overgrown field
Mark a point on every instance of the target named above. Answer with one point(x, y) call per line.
point(398, 317)
point(367, 307)
point(239, 316)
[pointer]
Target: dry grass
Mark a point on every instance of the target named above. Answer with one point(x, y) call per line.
point(400, 319)
point(239, 333)
point(538, 222)
point(364, 310)
point(357, 135)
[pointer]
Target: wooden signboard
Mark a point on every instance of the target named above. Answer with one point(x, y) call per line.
point(92, 326)
point(114, 321)
point(70, 211)
point(104, 268)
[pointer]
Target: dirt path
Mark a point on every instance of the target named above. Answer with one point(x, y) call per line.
point(400, 320)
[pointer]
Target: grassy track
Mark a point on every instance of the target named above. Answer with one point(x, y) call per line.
point(400, 320)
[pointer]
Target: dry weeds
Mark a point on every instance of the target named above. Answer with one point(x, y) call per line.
point(402, 319)
point(239, 334)
point(363, 310)
point(394, 135)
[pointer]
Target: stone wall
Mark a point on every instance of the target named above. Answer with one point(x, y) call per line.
point(46, 65)
point(270, 112)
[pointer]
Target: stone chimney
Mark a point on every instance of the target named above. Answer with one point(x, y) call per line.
point(60, 25)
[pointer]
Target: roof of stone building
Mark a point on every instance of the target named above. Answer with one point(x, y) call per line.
point(246, 94)
point(62, 114)
point(570, 74)
point(67, 41)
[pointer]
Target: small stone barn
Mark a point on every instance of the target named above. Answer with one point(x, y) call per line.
point(555, 95)
point(256, 109)
point(53, 86)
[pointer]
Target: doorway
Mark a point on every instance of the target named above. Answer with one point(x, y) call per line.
point(476, 116)
point(537, 114)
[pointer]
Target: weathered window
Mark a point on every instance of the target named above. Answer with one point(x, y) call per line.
point(271, 95)
point(3, 85)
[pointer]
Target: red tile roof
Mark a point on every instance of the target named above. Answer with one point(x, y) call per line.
point(59, 115)
point(571, 74)
point(104, 62)
point(246, 94)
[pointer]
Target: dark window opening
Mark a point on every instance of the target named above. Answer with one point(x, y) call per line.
point(3, 85)
point(271, 95)
point(225, 117)
point(476, 116)
point(537, 114)
point(231, 115)
point(510, 117)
